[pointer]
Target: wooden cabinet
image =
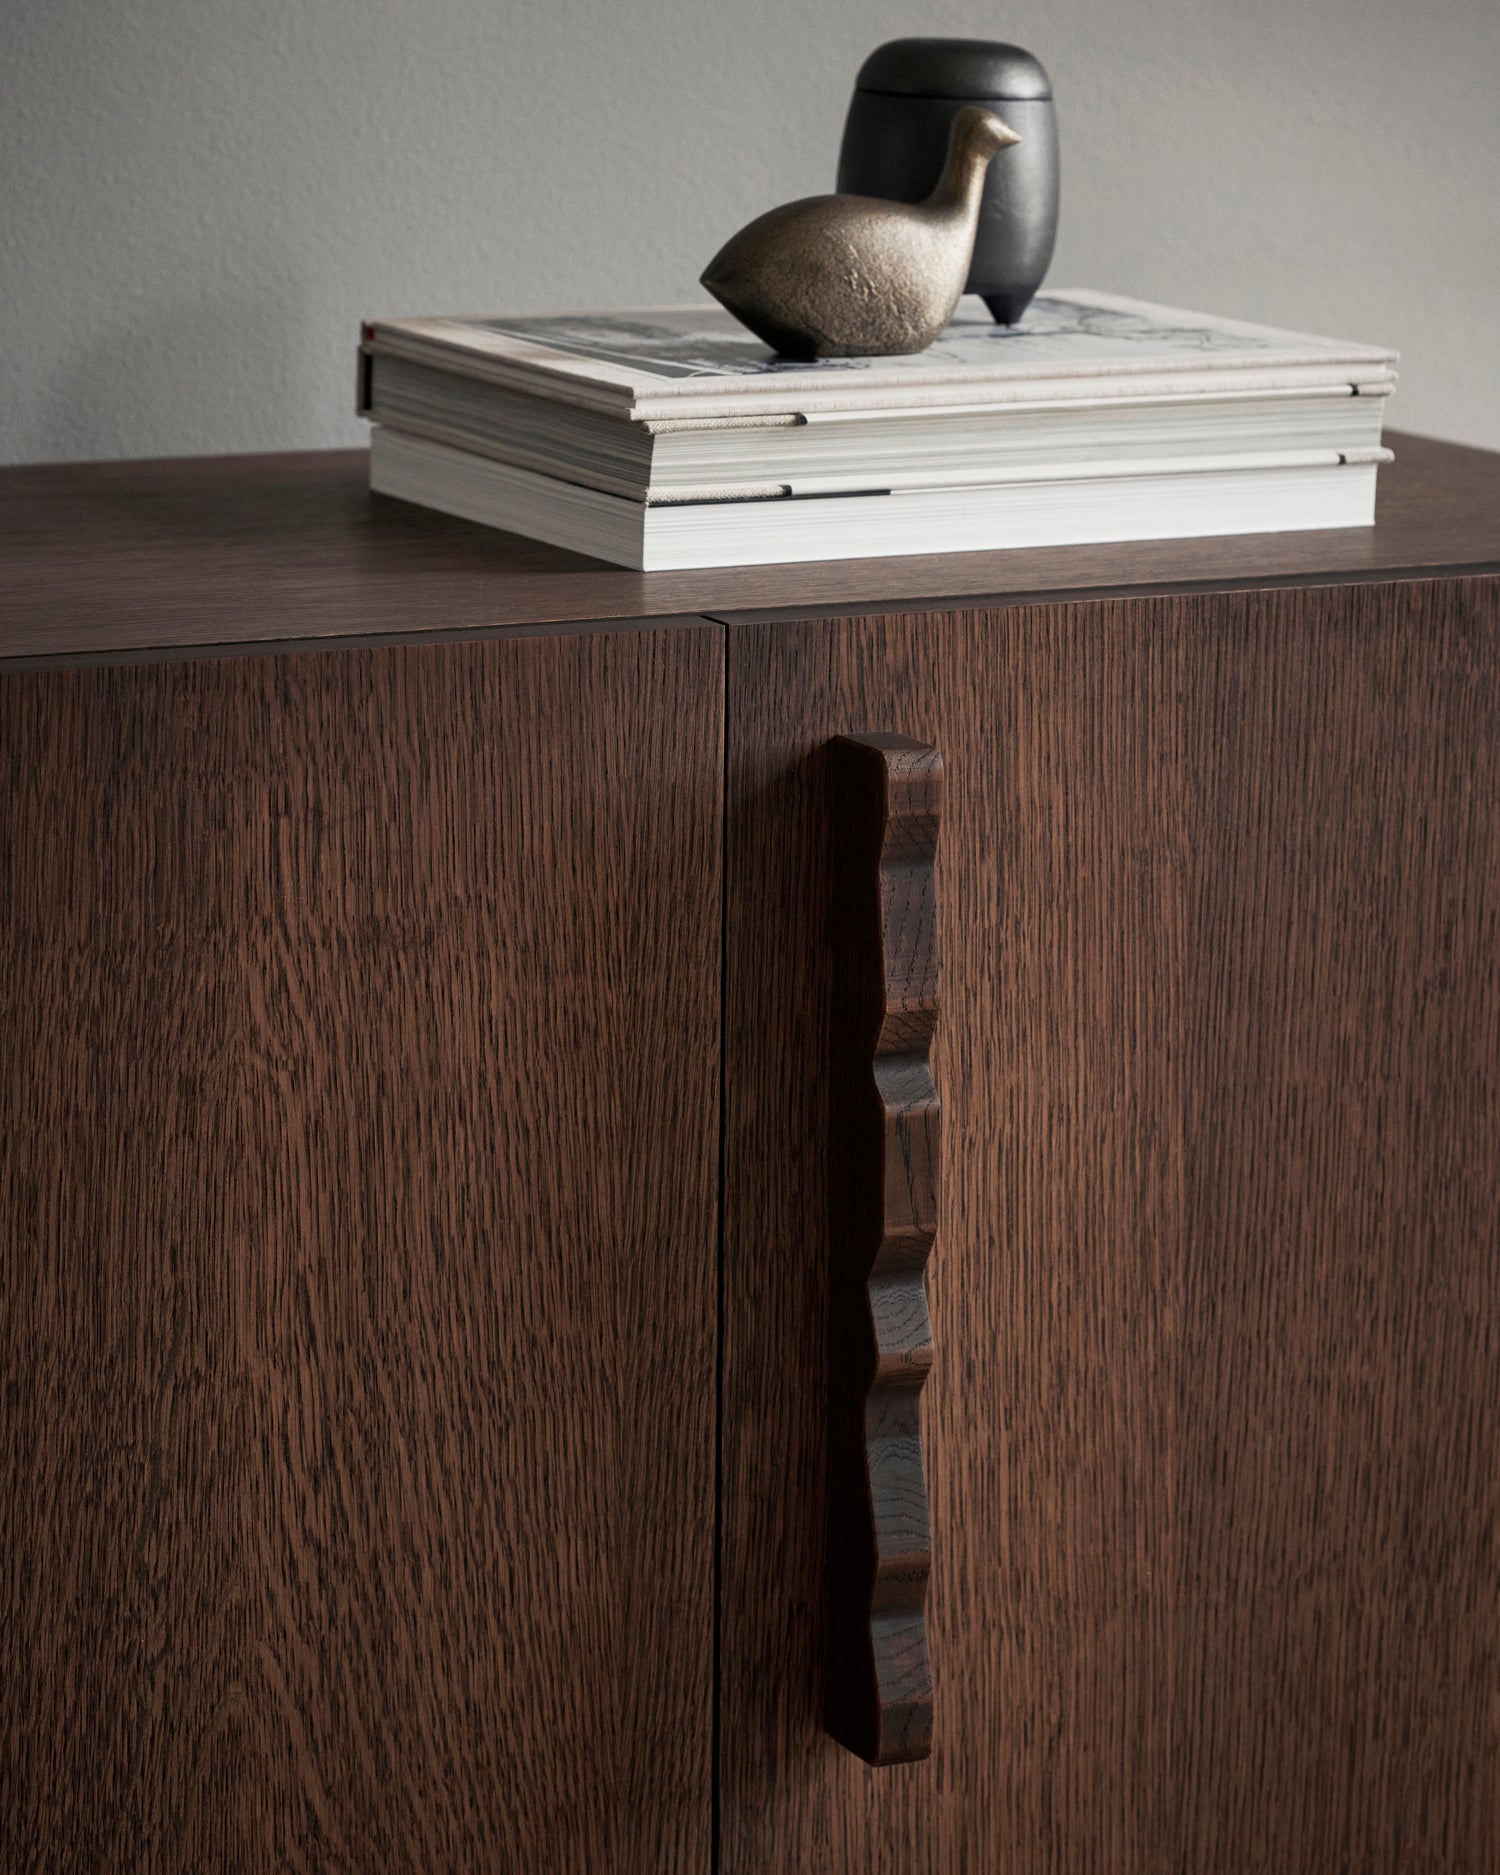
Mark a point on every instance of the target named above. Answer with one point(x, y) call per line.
point(1213, 1425)
point(361, 1115)
point(415, 966)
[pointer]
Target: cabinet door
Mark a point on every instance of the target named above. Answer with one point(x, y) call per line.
point(360, 1093)
point(1213, 1428)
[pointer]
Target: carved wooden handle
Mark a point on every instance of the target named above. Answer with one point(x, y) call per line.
point(883, 1188)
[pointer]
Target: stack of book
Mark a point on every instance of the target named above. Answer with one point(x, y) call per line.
point(673, 438)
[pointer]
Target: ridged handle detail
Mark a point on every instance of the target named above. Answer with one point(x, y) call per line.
point(884, 1158)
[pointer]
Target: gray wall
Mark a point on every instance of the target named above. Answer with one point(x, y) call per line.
point(203, 197)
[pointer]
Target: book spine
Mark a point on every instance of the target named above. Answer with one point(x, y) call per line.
point(878, 389)
point(1031, 392)
point(1114, 472)
point(1146, 400)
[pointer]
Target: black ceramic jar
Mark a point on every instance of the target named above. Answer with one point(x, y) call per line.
point(896, 137)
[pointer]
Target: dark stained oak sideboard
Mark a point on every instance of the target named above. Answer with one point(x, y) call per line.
point(415, 971)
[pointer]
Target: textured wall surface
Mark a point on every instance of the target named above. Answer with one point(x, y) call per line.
point(203, 197)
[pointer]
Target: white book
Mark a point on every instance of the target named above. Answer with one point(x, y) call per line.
point(681, 362)
point(839, 451)
point(1249, 494)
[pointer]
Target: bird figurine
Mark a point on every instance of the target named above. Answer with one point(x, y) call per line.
point(851, 276)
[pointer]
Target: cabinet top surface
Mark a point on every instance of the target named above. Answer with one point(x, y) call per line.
point(127, 557)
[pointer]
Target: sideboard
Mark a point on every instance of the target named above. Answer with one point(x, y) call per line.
point(416, 976)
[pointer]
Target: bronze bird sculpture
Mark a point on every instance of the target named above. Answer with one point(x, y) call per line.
point(850, 276)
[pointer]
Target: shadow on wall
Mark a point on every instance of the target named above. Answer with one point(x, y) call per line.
point(125, 392)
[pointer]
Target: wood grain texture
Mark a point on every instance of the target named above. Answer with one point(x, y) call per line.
point(113, 557)
point(1214, 1431)
point(357, 1322)
point(885, 1156)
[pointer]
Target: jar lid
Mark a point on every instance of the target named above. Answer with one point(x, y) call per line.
point(953, 68)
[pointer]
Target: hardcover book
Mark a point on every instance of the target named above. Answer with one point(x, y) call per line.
point(680, 361)
point(673, 437)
